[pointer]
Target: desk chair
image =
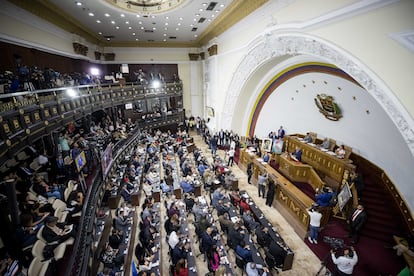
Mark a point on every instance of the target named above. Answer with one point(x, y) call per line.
point(241, 263)
point(39, 247)
point(38, 267)
point(271, 261)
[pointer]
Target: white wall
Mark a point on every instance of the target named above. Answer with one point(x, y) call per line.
point(355, 39)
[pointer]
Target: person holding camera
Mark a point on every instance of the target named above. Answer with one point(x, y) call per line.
point(345, 264)
point(314, 223)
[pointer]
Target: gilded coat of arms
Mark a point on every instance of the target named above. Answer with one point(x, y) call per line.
point(328, 107)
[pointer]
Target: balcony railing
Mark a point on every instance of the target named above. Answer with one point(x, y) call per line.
point(27, 116)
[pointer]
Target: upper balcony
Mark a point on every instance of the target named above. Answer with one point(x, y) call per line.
point(27, 116)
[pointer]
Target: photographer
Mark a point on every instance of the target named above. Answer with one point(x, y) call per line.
point(345, 264)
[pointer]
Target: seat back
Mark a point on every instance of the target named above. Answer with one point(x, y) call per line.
point(39, 234)
point(313, 135)
point(59, 204)
point(37, 249)
point(332, 144)
point(240, 262)
point(348, 151)
point(38, 267)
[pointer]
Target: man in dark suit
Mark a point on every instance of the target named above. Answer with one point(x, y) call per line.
point(356, 221)
point(262, 236)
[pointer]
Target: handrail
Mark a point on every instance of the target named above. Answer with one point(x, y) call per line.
point(79, 262)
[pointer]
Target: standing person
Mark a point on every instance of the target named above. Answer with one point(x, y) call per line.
point(281, 132)
point(261, 183)
point(230, 153)
point(345, 264)
point(270, 193)
point(356, 221)
point(314, 224)
point(213, 145)
point(249, 172)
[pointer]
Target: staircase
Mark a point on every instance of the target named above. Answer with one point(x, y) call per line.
point(383, 218)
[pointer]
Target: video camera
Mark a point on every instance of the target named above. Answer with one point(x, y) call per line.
point(335, 243)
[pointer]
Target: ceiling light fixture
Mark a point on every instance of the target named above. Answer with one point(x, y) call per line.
point(98, 21)
point(181, 18)
point(117, 27)
point(112, 22)
point(136, 39)
point(127, 22)
point(107, 15)
point(133, 33)
point(78, 3)
point(91, 14)
point(179, 24)
point(166, 23)
point(122, 15)
point(129, 28)
point(99, 33)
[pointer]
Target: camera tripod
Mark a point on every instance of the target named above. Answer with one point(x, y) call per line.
point(323, 265)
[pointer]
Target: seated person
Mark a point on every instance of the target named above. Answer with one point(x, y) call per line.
point(115, 240)
point(243, 250)
point(42, 188)
point(180, 252)
point(218, 194)
point(323, 199)
point(262, 236)
point(112, 258)
point(308, 138)
point(125, 193)
point(340, 152)
point(297, 154)
point(249, 221)
point(187, 186)
point(252, 269)
point(266, 157)
point(235, 236)
point(225, 222)
point(325, 144)
point(222, 207)
point(164, 187)
point(53, 232)
point(244, 205)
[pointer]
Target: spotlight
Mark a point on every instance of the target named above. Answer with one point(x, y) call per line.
point(94, 71)
point(71, 93)
point(156, 83)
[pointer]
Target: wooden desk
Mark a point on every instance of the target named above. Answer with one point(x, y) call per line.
point(297, 171)
point(289, 200)
point(113, 201)
point(321, 161)
point(244, 159)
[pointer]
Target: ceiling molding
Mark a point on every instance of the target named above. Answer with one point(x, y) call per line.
point(45, 10)
point(49, 12)
point(238, 10)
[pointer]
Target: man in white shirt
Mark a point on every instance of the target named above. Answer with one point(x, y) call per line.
point(314, 224)
point(345, 264)
point(252, 269)
point(174, 238)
